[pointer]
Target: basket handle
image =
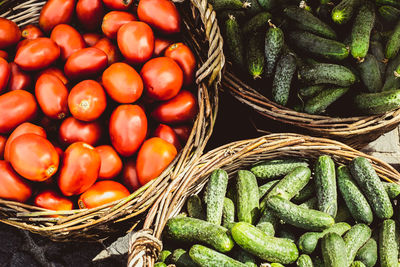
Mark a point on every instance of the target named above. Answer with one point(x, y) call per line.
point(143, 248)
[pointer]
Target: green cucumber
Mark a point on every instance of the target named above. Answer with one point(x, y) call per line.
point(257, 23)
point(333, 248)
point(194, 207)
point(247, 197)
point(253, 8)
point(285, 69)
point(245, 257)
point(265, 188)
point(214, 196)
point(228, 212)
point(268, 4)
point(319, 103)
point(194, 230)
point(343, 214)
point(318, 262)
point(255, 55)
point(164, 255)
point(392, 189)
point(388, 250)
point(312, 203)
point(325, 185)
point(180, 257)
point(239, 14)
point(206, 257)
point(357, 264)
point(287, 234)
point(368, 254)
point(323, 73)
point(310, 91)
point(397, 72)
point(395, 3)
point(234, 41)
point(393, 44)
point(276, 264)
point(392, 82)
point(273, 168)
point(268, 248)
point(304, 261)
point(228, 4)
point(274, 41)
point(342, 12)
point(389, 13)
point(378, 103)
point(160, 264)
point(268, 222)
point(355, 238)
point(376, 49)
point(267, 228)
point(306, 193)
point(371, 74)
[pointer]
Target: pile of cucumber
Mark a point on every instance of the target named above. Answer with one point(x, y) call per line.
point(280, 213)
point(309, 54)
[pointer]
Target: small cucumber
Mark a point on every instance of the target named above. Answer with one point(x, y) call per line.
point(164, 255)
point(368, 254)
point(257, 23)
point(310, 91)
point(388, 250)
point(247, 197)
point(274, 41)
point(234, 41)
point(255, 55)
point(312, 204)
point(395, 3)
point(228, 4)
point(268, 222)
point(304, 261)
point(194, 207)
point(325, 185)
point(357, 264)
point(281, 85)
point(253, 8)
point(371, 74)
point(287, 234)
point(306, 193)
point(160, 264)
point(378, 103)
point(267, 228)
point(319, 103)
point(376, 49)
point(333, 248)
point(206, 257)
point(268, 4)
point(392, 189)
point(265, 188)
point(276, 264)
point(323, 73)
point(181, 258)
point(342, 12)
point(214, 196)
point(245, 257)
point(355, 238)
point(389, 13)
point(393, 44)
point(228, 212)
point(276, 167)
point(392, 82)
point(268, 248)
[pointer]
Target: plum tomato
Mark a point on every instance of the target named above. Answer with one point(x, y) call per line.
point(56, 12)
point(31, 32)
point(160, 45)
point(4, 54)
point(90, 13)
point(19, 80)
point(85, 62)
point(168, 134)
point(129, 175)
point(185, 59)
point(3, 141)
point(13, 187)
point(9, 33)
point(183, 132)
point(56, 72)
point(109, 48)
point(118, 4)
point(111, 163)
point(91, 38)
point(73, 130)
point(68, 39)
point(5, 72)
point(52, 200)
point(113, 20)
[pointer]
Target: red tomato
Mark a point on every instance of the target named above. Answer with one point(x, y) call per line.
point(109, 48)
point(129, 175)
point(160, 45)
point(73, 130)
point(56, 12)
point(60, 152)
point(22, 43)
point(3, 54)
point(85, 62)
point(91, 38)
point(33, 157)
point(52, 200)
point(180, 109)
point(52, 96)
point(19, 80)
point(13, 187)
point(113, 20)
point(90, 13)
point(16, 107)
point(183, 132)
point(56, 72)
point(4, 73)
point(136, 41)
point(128, 129)
point(80, 169)
point(37, 54)
point(22, 129)
point(9, 33)
point(162, 78)
point(111, 163)
point(185, 59)
point(118, 4)
point(167, 133)
point(3, 141)
point(87, 100)
point(31, 32)
point(68, 39)
point(161, 15)
point(153, 158)
point(122, 83)
point(102, 193)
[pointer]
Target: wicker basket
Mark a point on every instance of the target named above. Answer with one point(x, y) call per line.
point(145, 244)
point(202, 34)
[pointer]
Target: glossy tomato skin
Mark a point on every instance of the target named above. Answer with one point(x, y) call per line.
point(37, 54)
point(109, 48)
point(118, 4)
point(91, 38)
point(68, 39)
point(160, 45)
point(168, 134)
point(19, 80)
point(90, 13)
point(162, 78)
point(52, 200)
point(31, 32)
point(16, 107)
point(101, 193)
point(73, 130)
point(87, 100)
point(4, 54)
point(52, 96)
point(161, 15)
point(33, 157)
point(4, 74)
point(13, 187)
point(85, 62)
point(80, 169)
point(111, 163)
point(9, 33)
point(128, 129)
point(129, 175)
point(56, 72)
point(183, 132)
point(136, 42)
point(3, 141)
point(113, 20)
point(185, 59)
point(56, 12)
point(153, 158)
point(122, 83)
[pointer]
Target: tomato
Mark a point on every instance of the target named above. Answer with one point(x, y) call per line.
point(129, 175)
point(52, 200)
point(90, 13)
point(102, 193)
point(91, 38)
point(31, 32)
point(3, 54)
point(33, 157)
point(56, 72)
point(9, 33)
point(16, 107)
point(111, 163)
point(109, 48)
point(136, 42)
point(13, 187)
point(68, 39)
point(113, 20)
point(85, 62)
point(161, 15)
point(22, 43)
point(167, 133)
point(37, 54)
point(73, 130)
point(185, 59)
point(3, 141)
point(122, 83)
point(4, 74)
point(160, 45)
point(79, 170)
point(162, 78)
point(56, 12)
point(128, 129)
point(19, 80)
point(153, 158)
point(118, 4)
point(87, 100)
point(24, 128)
point(183, 132)
point(60, 152)
point(52, 96)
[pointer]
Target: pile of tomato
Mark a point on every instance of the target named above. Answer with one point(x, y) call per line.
point(95, 101)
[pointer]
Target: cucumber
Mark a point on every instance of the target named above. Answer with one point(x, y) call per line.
point(310, 91)
point(357, 264)
point(253, 8)
point(273, 168)
point(257, 23)
point(388, 250)
point(305, 20)
point(247, 197)
point(214, 196)
point(268, 248)
point(323, 73)
point(267, 228)
point(304, 261)
point(287, 234)
point(393, 44)
point(317, 46)
point(285, 70)
point(246, 258)
point(274, 41)
point(312, 203)
point(361, 31)
point(275, 264)
point(194, 207)
point(181, 258)
point(300, 217)
point(164, 255)
point(306, 193)
point(239, 14)
point(389, 13)
point(255, 55)
point(318, 262)
point(392, 189)
point(342, 12)
point(371, 74)
point(268, 222)
point(188, 229)
point(397, 72)
point(234, 41)
point(368, 254)
point(395, 3)
point(378, 103)
point(265, 188)
point(376, 49)
point(333, 248)
point(160, 264)
point(325, 185)
point(355, 201)
point(343, 214)
point(355, 238)
point(392, 82)
point(319, 103)
point(228, 212)
point(228, 4)
point(268, 4)
point(206, 257)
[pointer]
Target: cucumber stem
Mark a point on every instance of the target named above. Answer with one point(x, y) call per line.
point(271, 24)
point(246, 4)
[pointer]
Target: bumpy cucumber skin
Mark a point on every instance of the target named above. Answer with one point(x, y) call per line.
point(268, 4)
point(371, 74)
point(368, 254)
point(228, 212)
point(306, 193)
point(195, 208)
point(355, 238)
point(357, 264)
point(195, 230)
point(392, 189)
point(160, 264)
point(361, 31)
point(164, 255)
point(342, 12)
point(247, 197)
point(263, 246)
point(353, 197)
point(306, 21)
point(304, 261)
point(388, 250)
point(255, 55)
point(234, 41)
point(391, 81)
point(285, 70)
point(287, 234)
point(319, 103)
point(274, 40)
point(310, 91)
point(376, 49)
point(324, 73)
point(256, 23)
point(312, 203)
point(268, 222)
point(226, 4)
point(265, 188)
point(395, 3)
point(275, 264)
point(393, 44)
point(378, 103)
point(267, 228)
point(206, 257)
point(214, 196)
point(181, 258)
point(269, 169)
point(389, 13)
point(325, 185)
point(333, 248)
point(245, 257)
